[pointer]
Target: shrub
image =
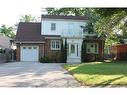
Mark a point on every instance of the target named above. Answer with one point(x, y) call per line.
point(64, 52)
point(83, 51)
point(45, 59)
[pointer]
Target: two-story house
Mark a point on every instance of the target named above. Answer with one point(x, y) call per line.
point(35, 40)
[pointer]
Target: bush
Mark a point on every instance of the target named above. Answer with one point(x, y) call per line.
point(63, 57)
point(45, 59)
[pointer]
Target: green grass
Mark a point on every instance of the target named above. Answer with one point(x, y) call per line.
point(99, 73)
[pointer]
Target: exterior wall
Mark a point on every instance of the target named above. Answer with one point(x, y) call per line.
point(41, 49)
point(119, 52)
point(100, 55)
point(5, 42)
point(62, 27)
point(52, 54)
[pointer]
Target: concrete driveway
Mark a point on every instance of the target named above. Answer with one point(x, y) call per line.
point(32, 74)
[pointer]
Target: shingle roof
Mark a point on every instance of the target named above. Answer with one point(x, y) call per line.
point(65, 17)
point(30, 31)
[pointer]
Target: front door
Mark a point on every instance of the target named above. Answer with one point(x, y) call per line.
point(73, 50)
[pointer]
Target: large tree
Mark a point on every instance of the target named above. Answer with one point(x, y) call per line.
point(7, 31)
point(112, 23)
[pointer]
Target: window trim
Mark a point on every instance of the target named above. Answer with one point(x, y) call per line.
point(55, 48)
point(53, 28)
point(93, 51)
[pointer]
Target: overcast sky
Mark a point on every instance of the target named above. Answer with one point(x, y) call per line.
point(11, 10)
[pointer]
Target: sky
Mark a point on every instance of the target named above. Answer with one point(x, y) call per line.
point(11, 10)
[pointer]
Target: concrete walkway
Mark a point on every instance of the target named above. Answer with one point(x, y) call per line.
point(32, 74)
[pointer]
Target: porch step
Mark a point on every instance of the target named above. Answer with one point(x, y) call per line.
point(73, 60)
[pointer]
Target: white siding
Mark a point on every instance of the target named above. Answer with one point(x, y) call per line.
point(62, 27)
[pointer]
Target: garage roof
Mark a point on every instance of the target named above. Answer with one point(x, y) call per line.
point(30, 31)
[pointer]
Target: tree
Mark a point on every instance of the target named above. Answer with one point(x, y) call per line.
point(64, 51)
point(28, 18)
point(66, 11)
point(7, 31)
point(83, 51)
point(112, 24)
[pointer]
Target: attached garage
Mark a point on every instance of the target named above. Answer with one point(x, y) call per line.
point(29, 53)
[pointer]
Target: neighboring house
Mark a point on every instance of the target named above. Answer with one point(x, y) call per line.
point(5, 42)
point(5, 49)
point(35, 40)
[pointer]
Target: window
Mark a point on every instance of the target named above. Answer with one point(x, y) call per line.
point(72, 48)
point(34, 47)
point(29, 47)
point(55, 45)
point(77, 50)
point(24, 47)
point(67, 49)
point(53, 26)
point(92, 48)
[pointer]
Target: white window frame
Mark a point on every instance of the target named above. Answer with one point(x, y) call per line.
point(55, 45)
point(92, 50)
point(53, 28)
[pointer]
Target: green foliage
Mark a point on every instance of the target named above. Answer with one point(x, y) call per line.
point(66, 11)
point(89, 28)
point(64, 52)
point(83, 51)
point(45, 59)
point(112, 24)
point(28, 18)
point(7, 31)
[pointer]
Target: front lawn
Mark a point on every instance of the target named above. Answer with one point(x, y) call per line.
point(99, 73)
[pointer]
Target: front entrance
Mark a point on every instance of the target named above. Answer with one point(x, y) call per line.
point(73, 52)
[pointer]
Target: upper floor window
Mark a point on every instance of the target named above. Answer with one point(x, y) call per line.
point(53, 26)
point(92, 48)
point(55, 45)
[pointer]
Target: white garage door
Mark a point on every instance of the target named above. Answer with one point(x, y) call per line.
point(29, 53)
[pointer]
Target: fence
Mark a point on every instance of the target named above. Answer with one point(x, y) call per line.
point(119, 52)
point(7, 55)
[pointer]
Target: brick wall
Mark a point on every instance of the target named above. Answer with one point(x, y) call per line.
point(44, 50)
point(53, 54)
